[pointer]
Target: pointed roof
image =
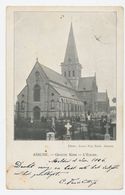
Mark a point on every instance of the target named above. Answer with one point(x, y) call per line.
point(71, 56)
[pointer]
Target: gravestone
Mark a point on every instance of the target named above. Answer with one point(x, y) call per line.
point(53, 122)
point(50, 136)
point(84, 127)
point(68, 134)
point(113, 124)
point(31, 120)
point(107, 135)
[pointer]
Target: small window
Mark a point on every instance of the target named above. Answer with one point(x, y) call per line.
point(73, 73)
point(69, 106)
point(58, 104)
point(72, 107)
point(75, 108)
point(65, 73)
point(52, 104)
point(22, 105)
point(69, 73)
point(37, 75)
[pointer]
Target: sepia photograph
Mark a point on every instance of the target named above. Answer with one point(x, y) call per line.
point(65, 75)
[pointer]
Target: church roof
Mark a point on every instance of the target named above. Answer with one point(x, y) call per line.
point(71, 56)
point(85, 83)
point(56, 77)
point(101, 96)
point(65, 92)
point(60, 83)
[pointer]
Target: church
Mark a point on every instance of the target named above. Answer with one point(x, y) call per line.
point(50, 94)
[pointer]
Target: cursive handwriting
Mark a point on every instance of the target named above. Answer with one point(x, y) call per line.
point(48, 172)
point(56, 160)
point(75, 181)
point(20, 164)
point(61, 170)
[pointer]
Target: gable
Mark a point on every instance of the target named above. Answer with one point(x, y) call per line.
point(32, 78)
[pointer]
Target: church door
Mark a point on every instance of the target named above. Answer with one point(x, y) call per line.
point(36, 113)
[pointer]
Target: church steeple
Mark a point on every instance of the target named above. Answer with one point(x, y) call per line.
point(71, 68)
point(71, 56)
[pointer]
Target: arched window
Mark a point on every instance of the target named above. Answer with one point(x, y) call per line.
point(75, 107)
point(58, 105)
point(36, 93)
point(73, 73)
point(22, 105)
point(69, 73)
point(36, 113)
point(69, 106)
point(62, 105)
point(52, 104)
point(17, 106)
point(72, 107)
point(65, 73)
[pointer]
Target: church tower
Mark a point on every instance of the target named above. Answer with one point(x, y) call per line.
point(71, 68)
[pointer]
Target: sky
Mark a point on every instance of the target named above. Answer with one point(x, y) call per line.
point(44, 35)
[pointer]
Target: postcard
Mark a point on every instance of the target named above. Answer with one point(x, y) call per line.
point(64, 97)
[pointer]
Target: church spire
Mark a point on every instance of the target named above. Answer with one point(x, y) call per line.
point(71, 68)
point(71, 56)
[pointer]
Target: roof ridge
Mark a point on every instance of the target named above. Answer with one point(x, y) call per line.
point(50, 69)
point(64, 79)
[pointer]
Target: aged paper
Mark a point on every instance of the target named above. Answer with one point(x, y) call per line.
point(64, 98)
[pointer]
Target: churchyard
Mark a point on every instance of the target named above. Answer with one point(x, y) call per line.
point(64, 129)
